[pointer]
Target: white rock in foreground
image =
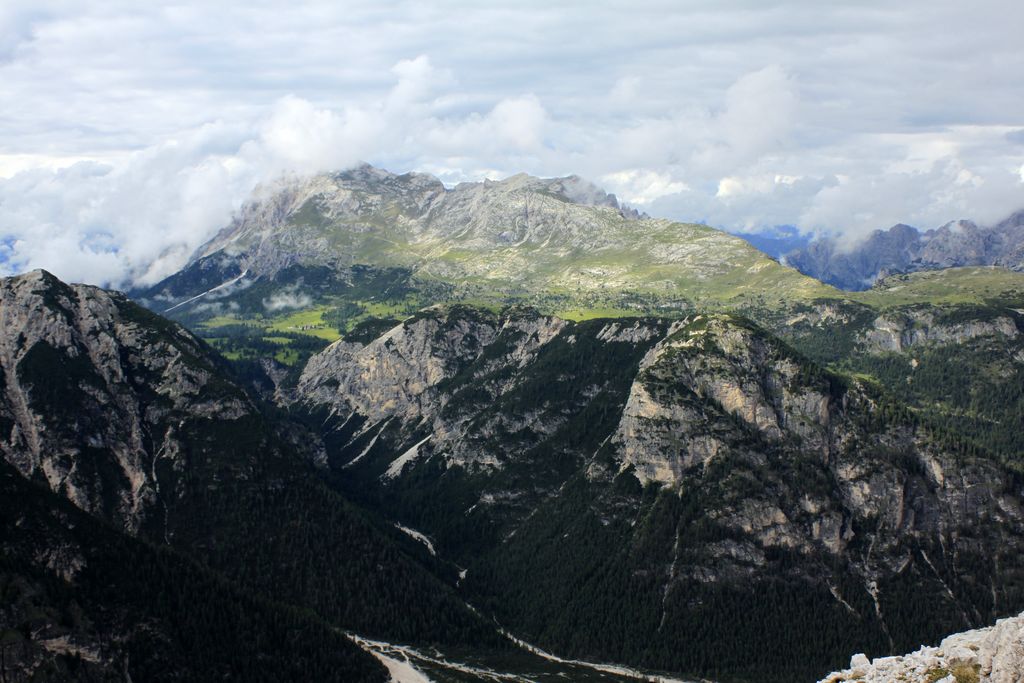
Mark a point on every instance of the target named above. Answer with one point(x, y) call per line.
point(987, 655)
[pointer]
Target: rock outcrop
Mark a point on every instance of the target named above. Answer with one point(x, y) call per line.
point(987, 655)
point(913, 327)
point(118, 417)
point(563, 236)
point(99, 395)
point(707, 455)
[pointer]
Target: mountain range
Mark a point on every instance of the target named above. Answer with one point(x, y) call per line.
point(504, 431)
point(903, 249)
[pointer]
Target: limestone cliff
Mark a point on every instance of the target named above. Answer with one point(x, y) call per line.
point(988, 655)
point(98, 393)
point(703, 456)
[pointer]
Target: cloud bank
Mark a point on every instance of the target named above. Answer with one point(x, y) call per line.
point(129, 135)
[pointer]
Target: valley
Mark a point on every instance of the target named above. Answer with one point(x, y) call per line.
point(619, 439)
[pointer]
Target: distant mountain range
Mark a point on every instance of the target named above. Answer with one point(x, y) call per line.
point(904, 249)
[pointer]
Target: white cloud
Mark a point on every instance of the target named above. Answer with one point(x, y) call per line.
point(129, 132)
point(639, 186)
point(285, 300)
point(759, 112)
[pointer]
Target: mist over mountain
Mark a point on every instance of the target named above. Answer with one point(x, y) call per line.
point(777, 241)
point(692, 120)
point(903, 249)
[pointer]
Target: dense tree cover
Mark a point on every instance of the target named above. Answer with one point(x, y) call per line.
point(126, 607)
point(968, 395)
point(601, 570)
point(581, 585)
point(239, 494)
point(972, 392)
point(598, 567)
point(578, 382)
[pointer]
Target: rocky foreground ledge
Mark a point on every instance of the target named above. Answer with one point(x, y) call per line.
point(987, 655)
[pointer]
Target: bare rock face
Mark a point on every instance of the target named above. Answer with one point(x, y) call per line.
point(546, 234)
point(404, 377)
point(397, 373)
point(704, 453)
point(705, 390)
point(356, 199)
point(899, 332)
point(987, 655)
point(96, 394)
point(328, 215)
point(664, 428)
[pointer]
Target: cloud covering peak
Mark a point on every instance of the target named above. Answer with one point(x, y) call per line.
point(130, 133)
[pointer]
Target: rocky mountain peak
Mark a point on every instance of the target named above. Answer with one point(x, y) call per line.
point(903, 249)
point(363, 213)
point(94, 389)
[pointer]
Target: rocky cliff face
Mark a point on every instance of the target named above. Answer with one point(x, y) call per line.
point(694, 465)
point(884, 251)
point(718, 361)
point(901, 330)
point(408, 377)
point(97, 395)
point(988, 655)
point(414, 207)
point(136, 422)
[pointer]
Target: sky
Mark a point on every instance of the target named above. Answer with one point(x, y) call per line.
point(130, 132)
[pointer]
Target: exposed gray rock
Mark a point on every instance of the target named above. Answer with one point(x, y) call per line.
point(664, 428)
point(94, 401)
point(913, 327)
point(399, 376)
point(987, 655)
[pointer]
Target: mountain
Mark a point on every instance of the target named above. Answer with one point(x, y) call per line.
point(510, 431)
point(989, 655)
point(83, 602)
point(690, 495)
point(902, 249)
point(884, 251)
point(158, 521)
point(141, 425)
point(558, 242)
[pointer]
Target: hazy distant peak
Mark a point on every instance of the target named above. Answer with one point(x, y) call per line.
point(902, 249)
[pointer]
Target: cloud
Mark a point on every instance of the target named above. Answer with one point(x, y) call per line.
point(287, 299)
point(639, 186)
point(130, 132)
point(759, 111)
point(138, 219)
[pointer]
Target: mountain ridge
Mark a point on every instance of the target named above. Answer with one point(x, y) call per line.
point(521, 236)
point(904, 249)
